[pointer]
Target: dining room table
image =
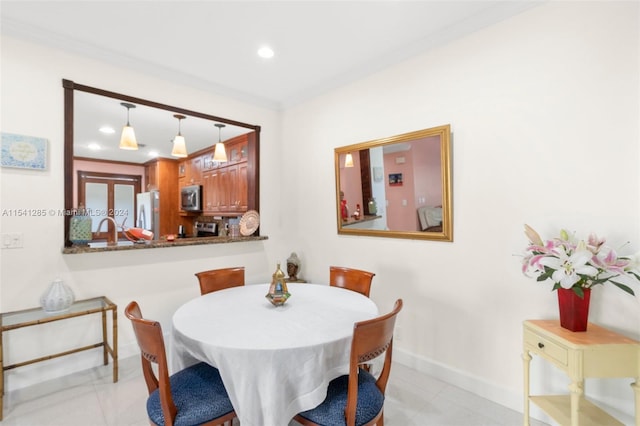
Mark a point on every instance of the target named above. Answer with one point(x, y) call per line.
point(275, 361)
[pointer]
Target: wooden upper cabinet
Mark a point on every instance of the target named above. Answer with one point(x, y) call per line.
point(225, 186)
point(195, 177)
point(240, 189)
point(237, 149)
point(210, 183)
point(243, 185)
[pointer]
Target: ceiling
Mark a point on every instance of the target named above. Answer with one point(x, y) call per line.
point(212, 45)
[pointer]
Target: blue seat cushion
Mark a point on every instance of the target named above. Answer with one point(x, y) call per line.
point(198, 394)
point(331, 411)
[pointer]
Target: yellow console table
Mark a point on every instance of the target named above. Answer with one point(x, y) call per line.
point(36, 316)
point(595, 353)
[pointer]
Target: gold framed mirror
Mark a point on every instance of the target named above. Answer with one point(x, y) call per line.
point(396, 187)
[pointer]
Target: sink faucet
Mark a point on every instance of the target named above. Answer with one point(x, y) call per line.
point(112, 240)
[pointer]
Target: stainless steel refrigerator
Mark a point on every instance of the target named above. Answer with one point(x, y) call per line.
point(148, 214)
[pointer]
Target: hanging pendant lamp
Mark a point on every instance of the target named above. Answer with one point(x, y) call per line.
point(128, 138)
point(179, 144)
point(348, 160)
point(219, 153)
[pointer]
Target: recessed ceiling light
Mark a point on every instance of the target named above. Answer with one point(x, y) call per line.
point(107, 130)
point(94, 146)
point(265, 52)
point(153, 153)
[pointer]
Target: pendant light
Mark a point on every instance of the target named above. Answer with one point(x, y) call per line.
point(128, 138)
point(219, 153)
point(179, 144)
point(348, 160)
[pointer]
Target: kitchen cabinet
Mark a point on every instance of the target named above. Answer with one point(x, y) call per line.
point(211, 191)
point(233, 177)
point(224, 185)
point(162, 174)
point(190, 171)
point(225, 190)
point(207, 162)
point(194, 171)
point(237, 149)
point(238, 189)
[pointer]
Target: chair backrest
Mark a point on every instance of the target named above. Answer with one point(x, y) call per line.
point(218, 279)
point(371, 338)
point(352, 279)
point(152, 350)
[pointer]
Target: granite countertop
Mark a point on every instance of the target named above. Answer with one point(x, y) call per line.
point(178, 242)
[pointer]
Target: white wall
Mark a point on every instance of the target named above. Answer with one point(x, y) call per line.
point(544, 110)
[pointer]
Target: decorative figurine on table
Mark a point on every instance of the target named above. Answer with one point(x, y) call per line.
point(278, 292)
point(293, 269)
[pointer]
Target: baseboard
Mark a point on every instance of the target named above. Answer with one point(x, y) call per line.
point(470, 383)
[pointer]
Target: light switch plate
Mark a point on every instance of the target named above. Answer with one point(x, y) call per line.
point(13, 240)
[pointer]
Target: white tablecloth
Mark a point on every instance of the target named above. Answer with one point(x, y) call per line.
point(274, 361)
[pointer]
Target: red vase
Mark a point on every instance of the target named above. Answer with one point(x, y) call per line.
point(574, 310)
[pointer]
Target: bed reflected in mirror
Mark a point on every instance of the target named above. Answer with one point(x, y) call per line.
point(397, 187)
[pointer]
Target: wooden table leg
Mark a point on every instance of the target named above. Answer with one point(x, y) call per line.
point(526, 358)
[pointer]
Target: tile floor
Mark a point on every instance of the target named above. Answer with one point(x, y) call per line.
point(90, 399)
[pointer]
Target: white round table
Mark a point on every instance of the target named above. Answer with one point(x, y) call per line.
point(274, 361)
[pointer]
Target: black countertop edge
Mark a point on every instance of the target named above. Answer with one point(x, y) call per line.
point(179, 242)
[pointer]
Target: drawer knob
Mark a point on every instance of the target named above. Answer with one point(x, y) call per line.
point(540, 345)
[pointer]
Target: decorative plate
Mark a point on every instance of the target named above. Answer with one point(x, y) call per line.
point(249, 223)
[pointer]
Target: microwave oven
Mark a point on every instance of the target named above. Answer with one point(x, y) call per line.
point(191, 198)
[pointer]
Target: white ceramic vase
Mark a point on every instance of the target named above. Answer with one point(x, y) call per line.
point(57, 298)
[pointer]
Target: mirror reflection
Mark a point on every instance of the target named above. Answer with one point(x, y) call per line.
point(176, 152)
point(397, 187)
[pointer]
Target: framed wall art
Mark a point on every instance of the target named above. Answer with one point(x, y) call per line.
point(23, 152)
point(395, 179)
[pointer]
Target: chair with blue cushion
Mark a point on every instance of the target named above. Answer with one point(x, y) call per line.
point(351, 279)
point(357, 399)
point(193, 396)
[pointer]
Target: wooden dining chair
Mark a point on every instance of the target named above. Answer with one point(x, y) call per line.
point(193, 396)
point(352, 279)
point(218, 279)
point(357, 399)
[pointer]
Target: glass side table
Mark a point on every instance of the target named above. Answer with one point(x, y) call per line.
point(36, 316)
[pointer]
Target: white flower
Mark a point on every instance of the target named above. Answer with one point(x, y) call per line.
point(569, 268)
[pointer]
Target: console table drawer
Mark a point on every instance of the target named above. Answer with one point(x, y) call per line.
point(546, 347)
